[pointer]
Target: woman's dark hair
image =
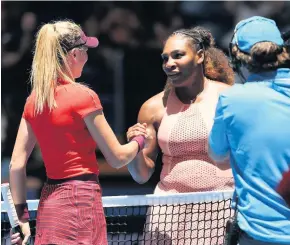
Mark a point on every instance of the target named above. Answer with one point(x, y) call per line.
point(216, 64)
point(286, 38)
point(264, 55)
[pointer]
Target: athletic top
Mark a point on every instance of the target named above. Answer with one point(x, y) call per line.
point(66, 145)
point(183, 139)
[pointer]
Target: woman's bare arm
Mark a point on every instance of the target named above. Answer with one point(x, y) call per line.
point(116, 154)
point(150, 113)
point(24, 144)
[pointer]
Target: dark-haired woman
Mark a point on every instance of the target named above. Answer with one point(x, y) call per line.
point(252, 127)
point(179, 120)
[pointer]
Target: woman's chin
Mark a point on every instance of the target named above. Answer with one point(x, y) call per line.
point(77, 75)
point(176, 82)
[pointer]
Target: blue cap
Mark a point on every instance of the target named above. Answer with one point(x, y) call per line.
point(256, 29)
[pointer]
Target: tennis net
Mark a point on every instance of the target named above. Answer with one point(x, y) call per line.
point(175, 219)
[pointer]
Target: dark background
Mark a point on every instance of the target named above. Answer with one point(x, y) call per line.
point(125, 70)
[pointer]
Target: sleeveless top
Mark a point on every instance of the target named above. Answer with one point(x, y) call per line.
point(183, 139)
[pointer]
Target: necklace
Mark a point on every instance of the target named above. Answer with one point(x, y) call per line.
point(192, 101)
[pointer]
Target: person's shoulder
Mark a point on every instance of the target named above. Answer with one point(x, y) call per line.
point(80, 88)
point(81, 92)
point(249, 88)
point(29, 106)
point(30, 99)
point(82, 96)
point(242, 94)
point(152, 109)
point(233, 90)
point(154, 103)
point(217, 87)
point(222, 86)
point(84, 99)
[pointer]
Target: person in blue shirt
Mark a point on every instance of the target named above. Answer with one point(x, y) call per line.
point(252, 128)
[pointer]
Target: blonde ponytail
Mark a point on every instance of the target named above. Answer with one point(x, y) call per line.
point(49, 64)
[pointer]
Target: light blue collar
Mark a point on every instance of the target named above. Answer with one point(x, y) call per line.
point(282, 73)
point(279, 79)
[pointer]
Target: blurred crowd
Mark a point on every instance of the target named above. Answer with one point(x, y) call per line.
point(132, 30)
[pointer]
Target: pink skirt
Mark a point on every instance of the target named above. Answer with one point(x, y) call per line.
point(71, 214)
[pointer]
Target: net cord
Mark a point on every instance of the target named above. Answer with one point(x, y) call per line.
point(151, 199)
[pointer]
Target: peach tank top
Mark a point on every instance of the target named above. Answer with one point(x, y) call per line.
point(183, 139)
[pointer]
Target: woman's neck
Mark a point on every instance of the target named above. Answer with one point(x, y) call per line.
point(188, 94)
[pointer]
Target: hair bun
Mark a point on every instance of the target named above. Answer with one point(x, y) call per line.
point(199, 34)
point(286, 38)
point(207, 39)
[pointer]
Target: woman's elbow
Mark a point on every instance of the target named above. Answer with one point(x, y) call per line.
point(115, 164)
point(141, 177)
point(17, 165)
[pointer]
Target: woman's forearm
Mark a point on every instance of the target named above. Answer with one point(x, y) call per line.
point(142, 168)
point(24, 144)
point(18, 183)
point(121, 157)
point(116, 154)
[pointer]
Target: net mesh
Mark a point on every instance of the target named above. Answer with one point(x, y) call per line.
point(179, 219)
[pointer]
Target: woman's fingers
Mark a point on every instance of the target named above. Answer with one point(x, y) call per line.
point(15, 238)
point(134, 134)
point(148, 135)
point(25, 240)
point(139, 127)
point(136, 130)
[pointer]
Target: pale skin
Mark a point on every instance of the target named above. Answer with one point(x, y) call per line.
point(117, 155)
point(178, 58)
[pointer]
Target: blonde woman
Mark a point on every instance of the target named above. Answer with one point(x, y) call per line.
point(67, 121)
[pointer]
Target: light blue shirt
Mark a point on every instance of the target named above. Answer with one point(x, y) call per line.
point(252, 125)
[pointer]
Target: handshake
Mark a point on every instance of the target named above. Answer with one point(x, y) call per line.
point(139, 133)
